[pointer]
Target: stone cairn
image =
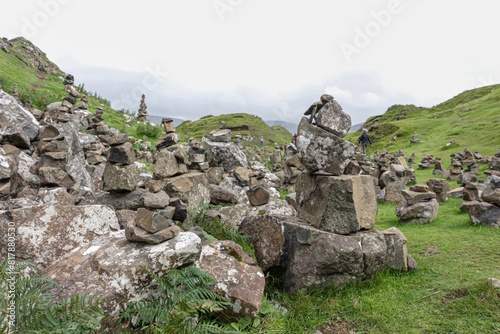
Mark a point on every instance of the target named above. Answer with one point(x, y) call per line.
point(415, 139)
point(391, 176)
point(438, 167)
point(412, 159)
point(486, 210)
point(69, 101)
point(441, 188)
point(120, 172)
point(142, 112)
point(171, 158)
point(84, 102)
point(196, 155)
point(427, 162)
point(333, 206)
point(421, 205)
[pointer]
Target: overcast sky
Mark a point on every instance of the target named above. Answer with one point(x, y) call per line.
point(272, 58)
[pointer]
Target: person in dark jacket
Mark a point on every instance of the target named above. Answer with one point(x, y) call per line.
point(364, 139)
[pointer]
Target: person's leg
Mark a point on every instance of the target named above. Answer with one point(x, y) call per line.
point(364, 148)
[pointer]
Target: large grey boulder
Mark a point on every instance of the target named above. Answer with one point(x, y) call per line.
point(305, 257)
point(319, 149)
point(14, 115)
point(112, 267)
point(491, 192)
point(339, 204)
point(422, 212)
point(239, 279)
point(222, 196)
point(46, 233)
point(22, 175)
point(332, 119)
point(397, 251)
point(118, 178)
point(226, 155)
point(484, 213)
point(123, 154)
point(166, 165)
point(192, 188)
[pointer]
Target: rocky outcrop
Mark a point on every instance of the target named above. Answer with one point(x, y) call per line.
point(112, 267)
point(239, 279)
point(343, 204)
point(319, 149)
point(46, 233)
point(226, 155)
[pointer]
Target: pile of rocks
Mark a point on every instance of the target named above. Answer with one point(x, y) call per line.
point(196, 155)
point(487, 212)
point(392, 176)
point(427, 162)
point(336, 212)
point(415, 139)
point(438, 167)
point(120, 173)
point(441, 188)
point(68, 103)
point(84, 102)
point(421, 205)
point(142, 112)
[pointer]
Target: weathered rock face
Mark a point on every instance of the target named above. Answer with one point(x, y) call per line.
point(306, 257)
point(491, 192)
point(422, 212)
point(221, 135)
point(222, 196)
point(123, 154)
point(232, 215)
point(258, 196)
point(166, 165)
point(343, 204)
point(157, 200)
point(414, 197)
point(397, 252)
point(12, 115)
point(21, 174)
point(322, 259)
point(191, 188)
point(226, 155)
point(332, 119)
point(56, 196)
point(441, 188)
point(319, 149)
point(47, 232)
point(56, 177)
point(111, 267)
point(484, 213)
point(123, 201)
point(119, 178)
point(239, 279)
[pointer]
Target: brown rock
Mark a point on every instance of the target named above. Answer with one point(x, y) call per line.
point(238, 278)
point(258, 196)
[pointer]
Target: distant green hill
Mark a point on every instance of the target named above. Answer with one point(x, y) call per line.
point(256, 128)
point(472, 118)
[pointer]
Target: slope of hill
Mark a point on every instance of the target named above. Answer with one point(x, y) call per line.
point(244, 124)
point(472, 118)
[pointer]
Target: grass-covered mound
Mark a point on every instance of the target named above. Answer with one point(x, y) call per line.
point(472, 118)
point(256, 128)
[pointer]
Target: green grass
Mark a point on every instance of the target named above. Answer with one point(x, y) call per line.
point(471, 118)
point(447, 294)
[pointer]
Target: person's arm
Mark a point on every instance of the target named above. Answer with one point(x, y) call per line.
point(369, 139)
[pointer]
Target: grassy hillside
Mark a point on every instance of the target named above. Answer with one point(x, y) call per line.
point(256, 128)
point(472, 118)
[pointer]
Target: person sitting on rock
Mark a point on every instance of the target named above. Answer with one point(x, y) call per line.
point(364, 139)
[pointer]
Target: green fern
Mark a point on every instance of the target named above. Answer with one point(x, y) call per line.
point(183, 306)
point(35, 309)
